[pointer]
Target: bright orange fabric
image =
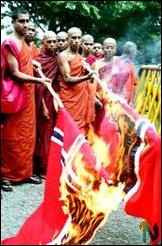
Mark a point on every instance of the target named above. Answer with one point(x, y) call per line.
point(78, 98)
point(35, 51)
point(18, 132)
point(130, 84)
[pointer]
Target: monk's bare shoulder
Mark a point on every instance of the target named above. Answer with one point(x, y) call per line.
point(62, 57)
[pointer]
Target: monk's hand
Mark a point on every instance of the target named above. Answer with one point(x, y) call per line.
point(36, 64)
point(46, 113)
point(45, 81)
point(91, 75)
point(86, 66)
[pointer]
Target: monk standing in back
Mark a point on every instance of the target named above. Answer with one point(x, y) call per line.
point(75, 92)
point(29, 39)
point(46, 114)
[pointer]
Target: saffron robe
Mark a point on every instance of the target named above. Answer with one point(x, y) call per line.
point(131, 81)
point(78, 98)
point(35, 51)
point(18, 132)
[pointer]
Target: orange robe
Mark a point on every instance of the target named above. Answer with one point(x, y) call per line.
point(131, 82)
point(78, 98)
point(18, 132)
point(35, 51)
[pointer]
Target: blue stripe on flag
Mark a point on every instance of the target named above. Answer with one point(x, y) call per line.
point(57, 135)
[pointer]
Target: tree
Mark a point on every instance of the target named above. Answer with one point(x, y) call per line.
point(138, 21)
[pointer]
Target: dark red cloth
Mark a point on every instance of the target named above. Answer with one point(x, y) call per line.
point(91, 59)
point(45, 126)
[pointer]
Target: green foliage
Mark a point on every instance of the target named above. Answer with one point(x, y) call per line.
point(138, 21)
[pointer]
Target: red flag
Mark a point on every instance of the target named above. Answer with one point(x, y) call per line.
point(136, 159)
point(49, 224)
point(144, 199)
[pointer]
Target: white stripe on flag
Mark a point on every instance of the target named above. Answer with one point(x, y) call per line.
point(69, 170)
point(56, 140)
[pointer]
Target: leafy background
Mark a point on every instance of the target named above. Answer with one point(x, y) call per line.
point(138, 21)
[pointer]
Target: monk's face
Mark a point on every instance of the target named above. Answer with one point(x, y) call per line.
point(97, 49)
point(21, 24)
point(109, 49)
point(30, 35)
point(62, 42)
point(87, 46)
point(74, 40)
point(50, 44)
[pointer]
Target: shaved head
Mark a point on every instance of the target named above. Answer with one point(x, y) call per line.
point(49, 42)
point(110, 41)
point(62, 41)
point(130, 48)
point(74, 30)
point(61, 35)
point(31, 33)
point(87, 38)
point(48, 34)
point(74, 38)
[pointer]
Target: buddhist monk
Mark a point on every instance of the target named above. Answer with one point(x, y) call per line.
point(128, 54)
point(112, 71)
point(18, 131)
point(87, 44)
point(97, 50)
point(46, 114)
point(62, 41)
point(30, 37)
point(75, 92)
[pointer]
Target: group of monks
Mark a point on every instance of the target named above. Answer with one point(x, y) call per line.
point(25, 135)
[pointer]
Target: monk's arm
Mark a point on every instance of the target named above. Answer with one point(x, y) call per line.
point(13, 67)
point(65, 71)
point(36, 64)
point(45, 109)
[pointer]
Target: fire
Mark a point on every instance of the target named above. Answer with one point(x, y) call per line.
point(101, 150)
point(88, 199)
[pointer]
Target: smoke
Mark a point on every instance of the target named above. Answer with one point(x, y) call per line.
point(146, 34)
point(149, 52)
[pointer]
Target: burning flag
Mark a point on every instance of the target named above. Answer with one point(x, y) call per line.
point(84, 183)
point(77, 199)
point(135, 160)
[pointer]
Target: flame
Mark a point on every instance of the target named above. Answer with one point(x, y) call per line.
point(89, 203)
point(101, 150)
point(87, 196)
